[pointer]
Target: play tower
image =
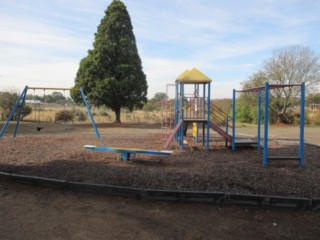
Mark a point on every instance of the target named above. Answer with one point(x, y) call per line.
point(191, 106)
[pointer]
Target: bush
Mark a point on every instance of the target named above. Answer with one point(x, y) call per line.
point(296, 118)
point(27, 110)
point(8, 101)
point(65, 116)
point(79, 115)
point(243, 114)
point(104, 113)
point(317, 118)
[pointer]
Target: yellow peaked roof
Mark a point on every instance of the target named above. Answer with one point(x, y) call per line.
point(193, 76)
point(185, 73)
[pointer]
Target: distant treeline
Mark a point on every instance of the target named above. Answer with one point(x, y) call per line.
point(55, 97)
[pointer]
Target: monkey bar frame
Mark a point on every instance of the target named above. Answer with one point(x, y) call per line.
point(266, 88)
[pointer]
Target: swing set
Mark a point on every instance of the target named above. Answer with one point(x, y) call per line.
point(124, 152)
point(38, 110)
point(38, 116)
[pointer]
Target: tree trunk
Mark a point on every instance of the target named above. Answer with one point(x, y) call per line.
point(117, 113)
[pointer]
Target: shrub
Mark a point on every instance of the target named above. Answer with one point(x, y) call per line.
point(104, 113)
point(317, 118)
point(64, 115)
point(243, 114)
point(79, 115)
point(8, 101)
point(27, 110)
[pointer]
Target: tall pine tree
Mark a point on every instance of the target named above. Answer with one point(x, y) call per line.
point(112, 72)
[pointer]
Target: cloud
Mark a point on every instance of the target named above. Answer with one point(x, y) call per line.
point(42, 42)
point(58, 74)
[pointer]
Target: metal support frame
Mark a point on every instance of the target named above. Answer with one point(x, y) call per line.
point(90, 114)
point(22, 99)
point(197, 90)
point(267, 87)
point(234, 120)
point(181, 112)
point(20, 113)
point(301, 137)
point(208, 117)
point(15, 108)
point(182, 117)
point(259, 121)
point(227, 128)
point(302, 120)
point(203, 125)
point(266, 124)
point(176, 116)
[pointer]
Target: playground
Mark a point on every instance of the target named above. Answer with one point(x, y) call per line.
point(57, 152)
point(196, 147)
point(194, 151)
point(57, 214)
point(60, 154)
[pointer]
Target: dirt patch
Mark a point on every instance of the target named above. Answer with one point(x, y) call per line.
point(43, 213)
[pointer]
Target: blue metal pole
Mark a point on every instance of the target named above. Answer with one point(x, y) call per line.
point(227, 129)
point(204, 112)
point(259, 120)
point(90, 114)
point(302, 119)
point(176, 105)
point(176, 109)
point(182, 117)
point(13, 111)
point(208, 123)
point(199, 104)
point(234, 120)
point(266, 124)
point(20, 113)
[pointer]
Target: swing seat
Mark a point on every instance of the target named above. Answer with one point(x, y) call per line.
point(39, 129)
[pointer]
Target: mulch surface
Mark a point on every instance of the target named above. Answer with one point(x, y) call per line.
point(219, 169)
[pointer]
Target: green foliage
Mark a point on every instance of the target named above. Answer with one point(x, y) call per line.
point(317, 118)
point(158, 97)
point(254, 114)
point(103, 113)
point(244, 114)
point(64, 115)
point(7, 102)
point(313, 99)
point(296, 118)
point(55, 97)
point(151, 106)
point(27, 110)
point(79, 115)
point(112, 72)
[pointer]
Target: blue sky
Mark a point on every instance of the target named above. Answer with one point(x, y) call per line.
point(43, 41)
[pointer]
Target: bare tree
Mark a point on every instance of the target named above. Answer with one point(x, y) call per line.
point(290, 65)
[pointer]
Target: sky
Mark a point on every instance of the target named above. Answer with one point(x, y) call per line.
point(43, 41)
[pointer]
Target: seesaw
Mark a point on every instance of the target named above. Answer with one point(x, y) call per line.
point(127, 152)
